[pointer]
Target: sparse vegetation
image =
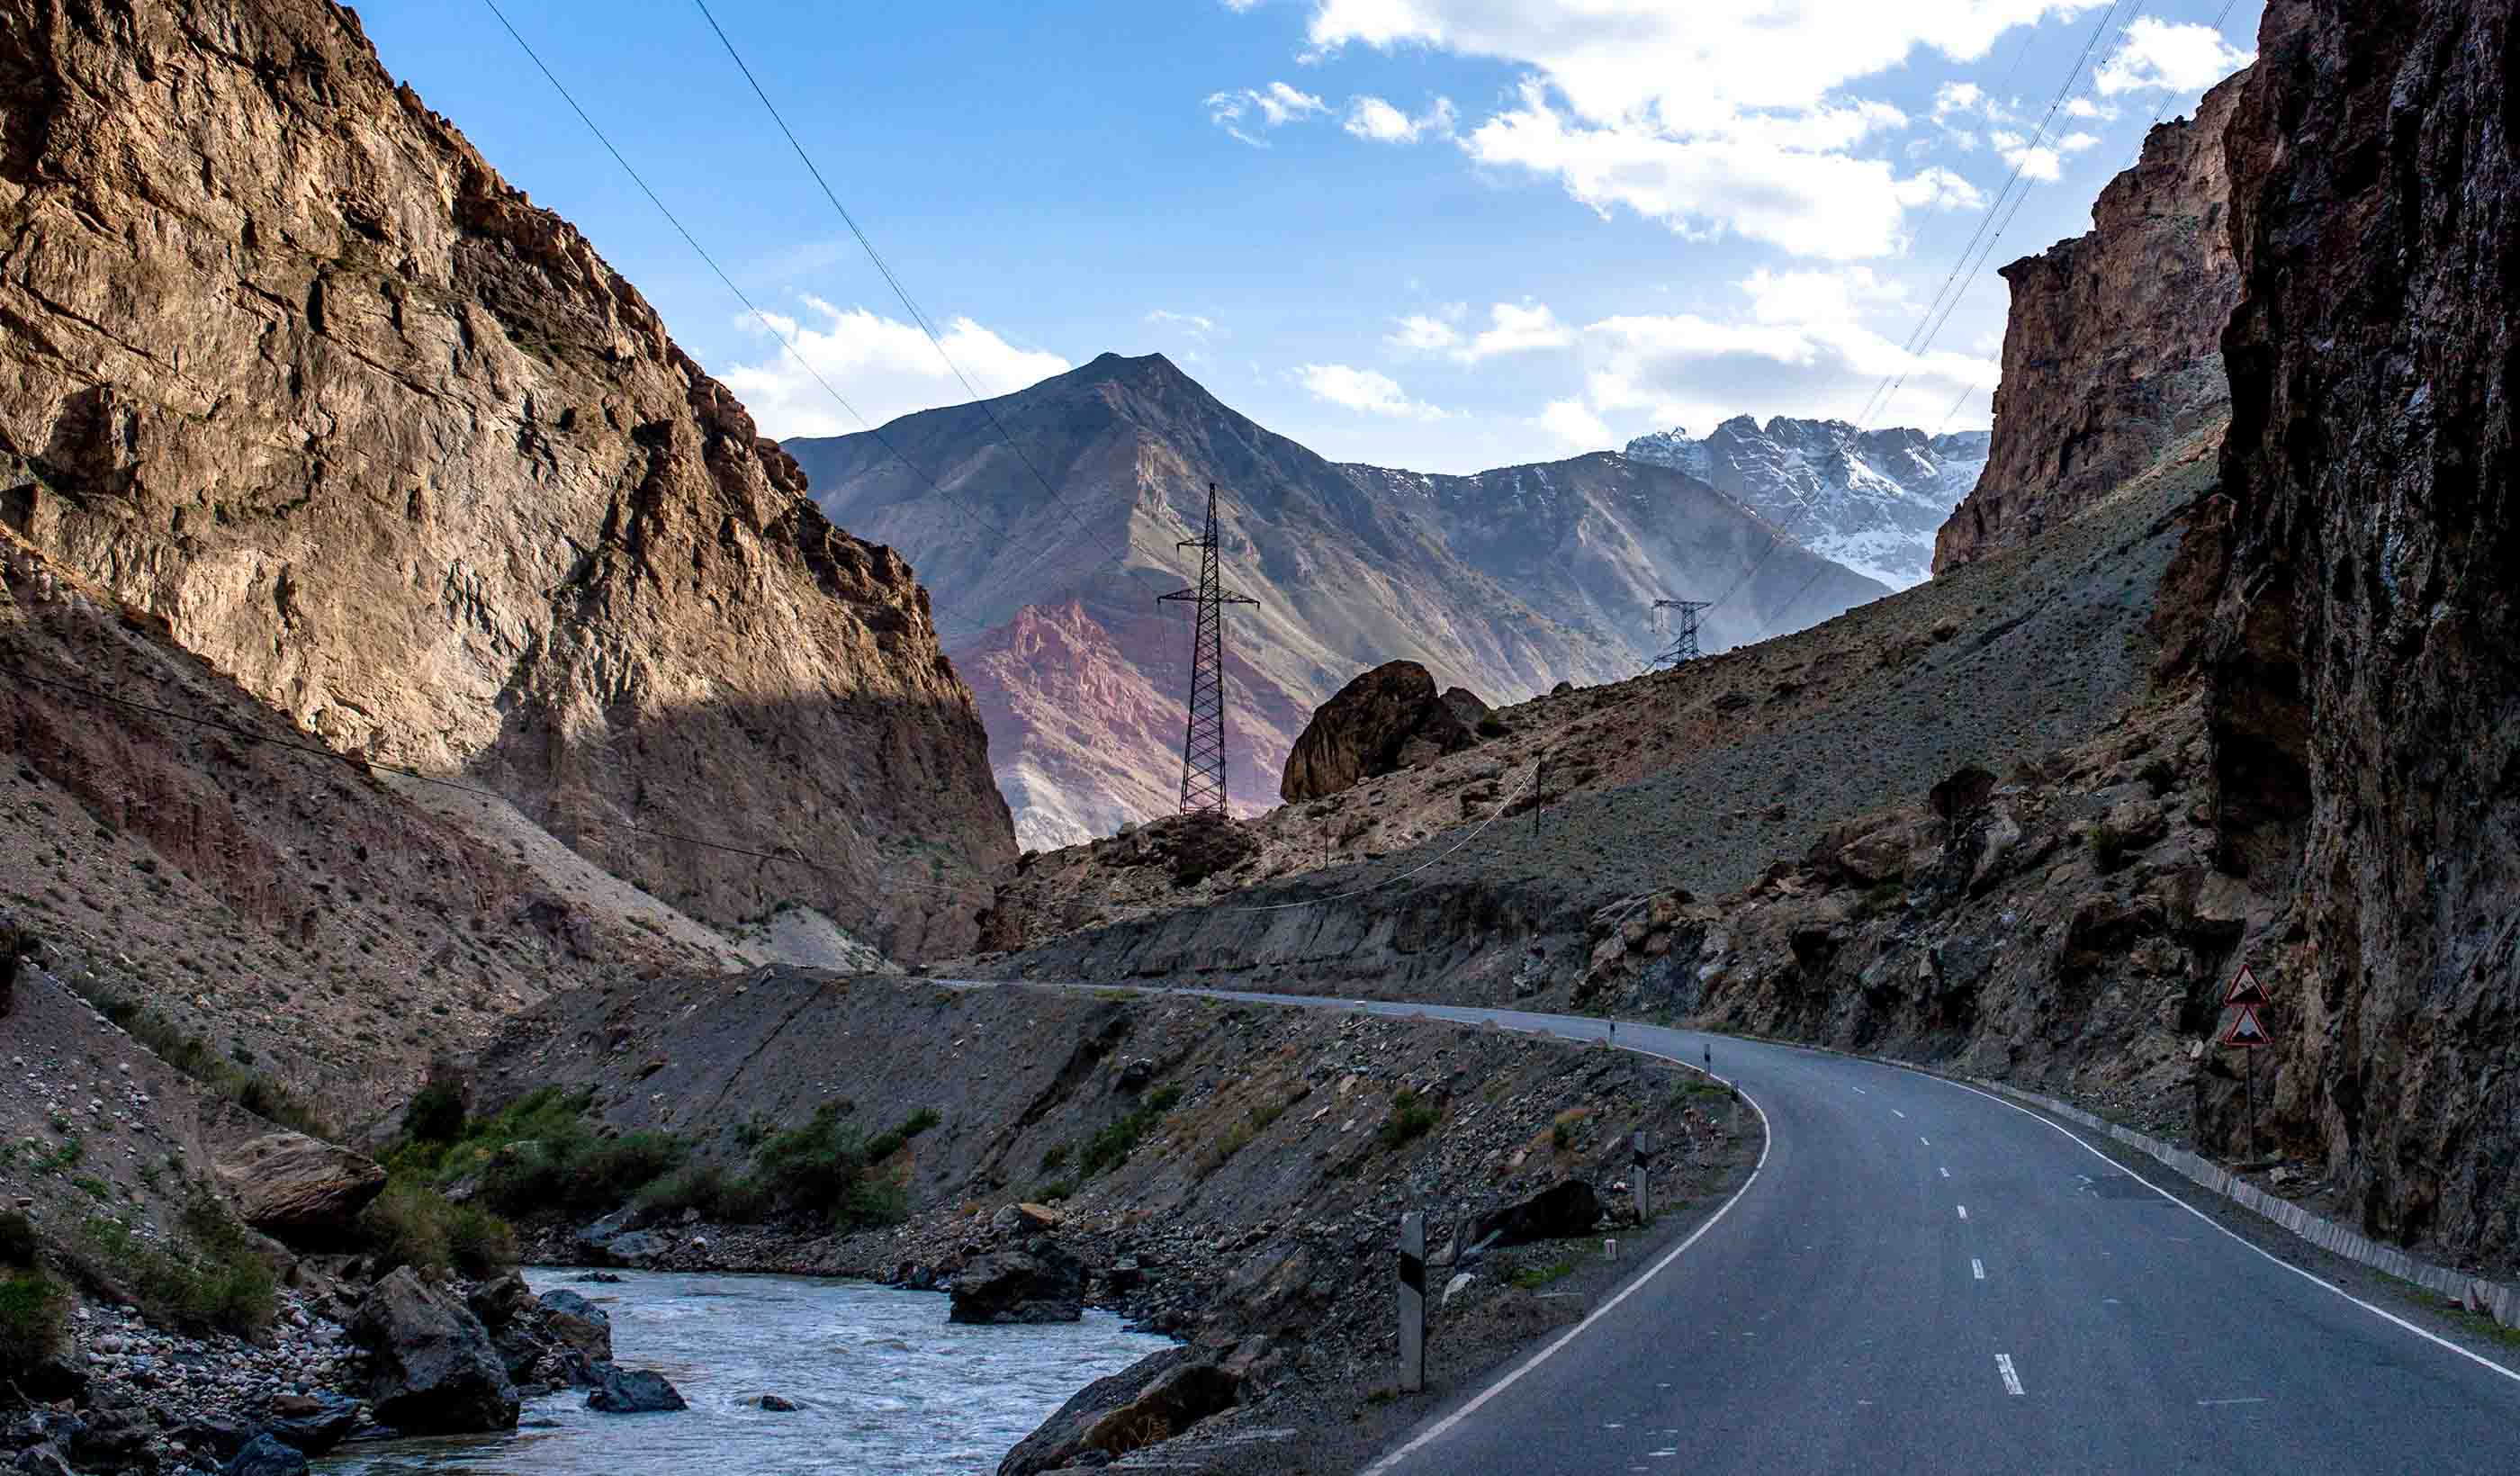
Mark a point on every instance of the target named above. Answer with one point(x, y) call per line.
point(1534, 1278)
point(218, 1284)
point(1492, 726)
point(1411, 1119)
point(35, 1310)
point(413, 1225)
point(229, 1075)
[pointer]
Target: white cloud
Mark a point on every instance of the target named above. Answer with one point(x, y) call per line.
point(1190, 323)
point(1955, 97)
point(1805, 296)
point(1780, 181)
point(1363, 390)
point(1715, 117)
point(2085, 107)
point(1516, 329)
point(884, 367)
point(1371, 117)
point(2045, 163)
point(1423, 334)
point(1574, 423)
point(2170, 56)
point(1275, 106)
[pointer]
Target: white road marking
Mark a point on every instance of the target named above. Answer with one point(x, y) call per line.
point(2211, 1402)
point(2012, 1380)
point(1927, 1142)
point(1964, 1212)
point(2315, 1279)
point(1895, 1112)
point(1945, 1172)
point(1859, 1092)
point(1977, 1267)
point(1444, 1427)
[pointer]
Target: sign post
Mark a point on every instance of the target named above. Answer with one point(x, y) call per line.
point(2247, 1032)
point(1413, 1301)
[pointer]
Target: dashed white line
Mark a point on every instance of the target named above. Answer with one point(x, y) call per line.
point(1895, 1112)
point(1964, 1212)
point(1859, 1092)
point(2012, 1380)
point(2211, 1402)
point(1977, 1268)
point(1945, 1172)
point(1927, 1142)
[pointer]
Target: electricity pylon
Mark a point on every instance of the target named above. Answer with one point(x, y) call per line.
point(1684, 646)
point(1203, 787)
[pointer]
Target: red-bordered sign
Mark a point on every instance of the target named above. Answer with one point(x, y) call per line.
point(2245, 989)
point(2246, 1030)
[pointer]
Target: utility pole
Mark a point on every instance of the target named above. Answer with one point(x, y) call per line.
point(1203, 788)
point(1684, 646)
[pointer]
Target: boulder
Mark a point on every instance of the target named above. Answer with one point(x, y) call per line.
point(501, 1300)
point(46, 1461)
point(1024, 1220)
point(434, 1371)
point(1567, 1207)
point(1385, 720)
point(264, 1455)
point(313, 1423)
point(213, 1435)
point(773, 1403)
point(112, 1438)
point(1466, 705)
point(299, 1190)
point(1040, 1283)
point(633, 1391)
point(577, 1323)
point(1154, 1398)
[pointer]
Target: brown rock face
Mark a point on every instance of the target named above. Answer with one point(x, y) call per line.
point(2367, 691)
point(290, 366)
point(2112, 350)
point(1389, 718)
point(299, 1188)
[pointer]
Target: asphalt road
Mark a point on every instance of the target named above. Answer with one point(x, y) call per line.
point(1923, 1277)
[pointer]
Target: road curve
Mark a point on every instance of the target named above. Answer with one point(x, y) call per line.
point(1924, 1277)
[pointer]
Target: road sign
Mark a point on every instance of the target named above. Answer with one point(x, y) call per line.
point(2245, 1029)
point(2245, 989)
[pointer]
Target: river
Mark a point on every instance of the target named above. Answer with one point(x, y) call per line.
point(883, 1382)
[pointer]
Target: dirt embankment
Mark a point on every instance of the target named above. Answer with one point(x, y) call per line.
point(1224, 1171)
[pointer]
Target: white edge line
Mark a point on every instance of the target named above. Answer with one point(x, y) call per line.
point(1977, 1268)
point(1444, 1427)
point(2313, 1277)
point(2011, 1378)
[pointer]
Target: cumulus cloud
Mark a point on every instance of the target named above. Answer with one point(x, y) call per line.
point(1364, 391)
point(1371, 117)
point(2042, 162)
point(1779, 181)
point(883, 367)
point(2170, 56)
point(1576, 427)
point(1242, 111)
point(1423, 334)
point(1713, 117)
point(1514, 328)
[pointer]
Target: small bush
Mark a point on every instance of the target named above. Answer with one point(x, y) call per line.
point(1110, 1147)
point(413, 1225)
point(1164, 1097)
point(218, 1285)
point(1053, 1157)
point(1533, 1278)
point(2108, 848)
point(1054, 1192)
point(1492, 726)
point(1560, 1137)
point(1410, 1119)
point(35, 1310)
point(19, 1247)
point(435, 1115)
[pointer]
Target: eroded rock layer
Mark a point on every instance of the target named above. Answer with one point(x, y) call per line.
point(286, 363)
point(2367, 694)
point(2112, 350)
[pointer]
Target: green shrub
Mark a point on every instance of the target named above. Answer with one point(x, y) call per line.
point(414, 1224)
point(1053, 1157)
point(34, 1309)
point(1410, 1119)
point(1112, 1147)
point(1560, 1137)
point(1492, 726)
point(1164, 1097)
point(19, 1247)
point(218, 1284)
point(197, 1059)
point(435, 1114)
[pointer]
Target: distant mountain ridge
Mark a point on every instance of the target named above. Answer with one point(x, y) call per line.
point(1506, 582)
point(1871, 500)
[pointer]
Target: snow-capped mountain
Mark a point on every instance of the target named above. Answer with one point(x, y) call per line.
point(1869, 500)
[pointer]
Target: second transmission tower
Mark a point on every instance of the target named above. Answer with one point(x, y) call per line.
point(1684, 644)
point(1202, 787)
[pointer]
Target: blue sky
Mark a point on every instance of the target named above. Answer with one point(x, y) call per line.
point(1437, 233)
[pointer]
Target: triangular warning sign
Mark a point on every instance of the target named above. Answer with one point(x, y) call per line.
point(2245, 989)
point(2245, 1029)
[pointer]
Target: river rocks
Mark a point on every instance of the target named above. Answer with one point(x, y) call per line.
point(633, 1391)
point(313, 1423)
point(1388, 718)
point(1040, 1283)
point(772, 1404)
point(500, 1301)
point(1567, 1207)
point(1154, 1398)
point(433, 1369)
point(112, 1438)
point(573, 1321)
point(299, 1190)
point(1024, 1219)
point(44, 1460)
point(265, 1456)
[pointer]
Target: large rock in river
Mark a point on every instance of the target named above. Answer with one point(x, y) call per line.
point(299, 1190)
point(434, 1370)
point(1389, 718)
point(1040, 1283)
point(1154, 1399)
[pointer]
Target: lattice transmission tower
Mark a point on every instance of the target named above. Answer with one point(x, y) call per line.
point(1684, 644)
point(1203, 744)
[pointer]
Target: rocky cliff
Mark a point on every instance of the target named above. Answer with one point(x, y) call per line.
point(2366, 703)
point(1389, 718)
point(1871, 500)
point(288, 364)
point(1510, 582)
point(2112, 349)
